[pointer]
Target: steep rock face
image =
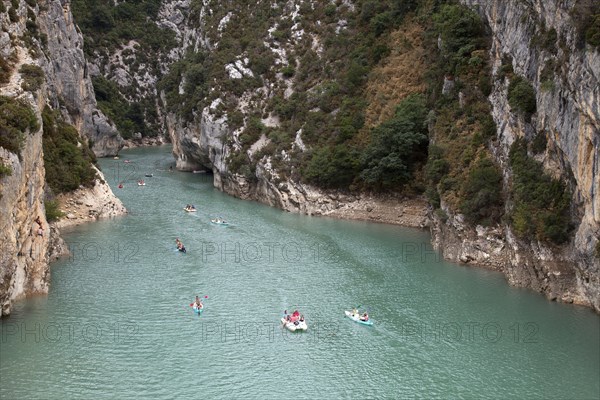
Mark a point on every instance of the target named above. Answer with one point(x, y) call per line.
point(23, 251)
point(28, 244)
point(202, 146)
point(69, 84)
point(569, 117)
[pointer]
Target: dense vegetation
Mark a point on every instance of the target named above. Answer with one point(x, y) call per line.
point(437, 141)
point(130, 117)
point(108, 26)
point(541, 203)
point(68, 162)
point(16, 119)
point(459, 170)
point(327, 104)
point(125, 28)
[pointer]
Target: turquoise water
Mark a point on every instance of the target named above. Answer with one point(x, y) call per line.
point(117, 321)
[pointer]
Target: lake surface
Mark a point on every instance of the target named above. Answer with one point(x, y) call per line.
point(117, 322)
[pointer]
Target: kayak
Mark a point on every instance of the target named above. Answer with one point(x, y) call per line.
point(149, 175)
point(214, 221)
point(356, 318)
point(198, 310)
point(189, 210)
point(141, 184)
point(294, 326)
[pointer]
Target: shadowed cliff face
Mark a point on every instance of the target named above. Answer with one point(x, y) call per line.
point(69, 84)
point(568, 116)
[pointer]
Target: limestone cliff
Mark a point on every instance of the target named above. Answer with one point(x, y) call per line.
point(42, 66)
point(568, 115)
point(24, 257)
point(69, 83)
point(564, 73)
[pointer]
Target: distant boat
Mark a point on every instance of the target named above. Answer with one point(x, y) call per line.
point(199, 172)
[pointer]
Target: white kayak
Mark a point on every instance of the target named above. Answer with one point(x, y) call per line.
point(190, 209)
point(356, 318)
point(294, 326)
point(219, 222)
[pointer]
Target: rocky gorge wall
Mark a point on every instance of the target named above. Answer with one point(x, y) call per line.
point(29, 244)
point(568, 115)
point(69, 82)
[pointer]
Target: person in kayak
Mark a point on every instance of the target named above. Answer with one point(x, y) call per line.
point(364, 317)
point(198, 303)
point(180, 245)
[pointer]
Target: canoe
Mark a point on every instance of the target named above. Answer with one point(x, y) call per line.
point(294, 326)
point(355, 318)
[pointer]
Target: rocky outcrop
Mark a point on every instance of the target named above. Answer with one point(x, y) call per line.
point(69, 83)
point(569, 117)
point(89, 204)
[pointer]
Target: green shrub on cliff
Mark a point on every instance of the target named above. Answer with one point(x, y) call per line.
point(592, 33)
point(68, 161)
point(541, 203)
point(16, 118)
point(5, 69)
point(5, 170)
point(128, 117)
point(53, 212)
point(397, 146)
point(33, 77)
point(461, 29)
point(482, 201)
point(333, 167)
point(521, 96)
